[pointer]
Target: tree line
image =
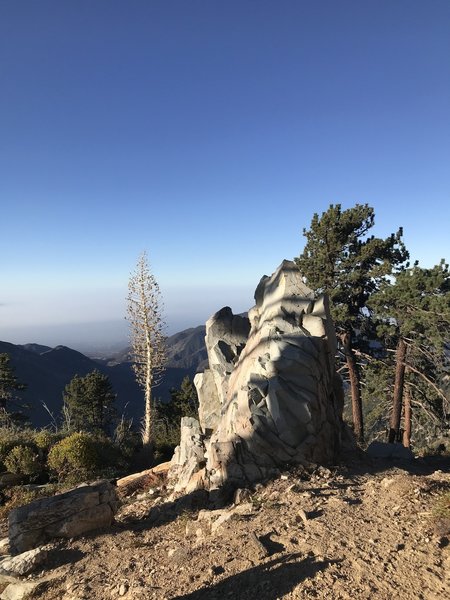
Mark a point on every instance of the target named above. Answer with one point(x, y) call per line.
point(392, 319)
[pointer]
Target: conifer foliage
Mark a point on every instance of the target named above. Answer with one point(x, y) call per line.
point(9, 386)
point(341, 259)
point(413, 313)
point(89, 403)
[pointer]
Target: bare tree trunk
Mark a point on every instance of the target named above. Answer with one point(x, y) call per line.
point(147, 434)
point(355, 388)
point(408, 412)
point(396, 414)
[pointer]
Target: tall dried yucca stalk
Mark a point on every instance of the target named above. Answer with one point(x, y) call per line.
point(147, 337)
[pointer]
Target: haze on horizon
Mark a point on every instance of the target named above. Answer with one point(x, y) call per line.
point(207, 134)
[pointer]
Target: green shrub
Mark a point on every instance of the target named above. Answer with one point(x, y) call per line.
point(83, 456)
point(74, 457)
point(45, 439)
point(11, 437)
point(23, 460)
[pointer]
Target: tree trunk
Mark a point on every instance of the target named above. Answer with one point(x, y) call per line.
point(355, 388)
point(407, 431)
point(394, 425)
point(147, 434)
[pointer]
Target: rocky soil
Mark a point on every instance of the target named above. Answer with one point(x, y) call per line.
point(365, 531)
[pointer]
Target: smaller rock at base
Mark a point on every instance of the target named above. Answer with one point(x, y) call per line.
point(18, 591)
point(24, 563)
point(123, 589)
point(4, 546)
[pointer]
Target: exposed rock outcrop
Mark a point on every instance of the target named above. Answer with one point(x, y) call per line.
point(226, 336)
point(277, 399)
point(67, 515)
point(189, 458)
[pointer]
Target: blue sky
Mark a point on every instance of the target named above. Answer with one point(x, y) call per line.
point(207, 133)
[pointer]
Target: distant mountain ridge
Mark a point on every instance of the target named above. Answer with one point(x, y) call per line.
point(185, 350)
point(46, 371)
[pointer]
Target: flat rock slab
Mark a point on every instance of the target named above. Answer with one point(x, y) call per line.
point(67, 515)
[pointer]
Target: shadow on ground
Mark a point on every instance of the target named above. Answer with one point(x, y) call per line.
point(268, 581)
point(350, 466)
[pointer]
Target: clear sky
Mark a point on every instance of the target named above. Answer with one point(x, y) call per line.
point(207, 132)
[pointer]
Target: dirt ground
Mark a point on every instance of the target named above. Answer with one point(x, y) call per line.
point(365, 531)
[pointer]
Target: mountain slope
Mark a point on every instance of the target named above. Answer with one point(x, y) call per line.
point(186, 349)
point(47, 371)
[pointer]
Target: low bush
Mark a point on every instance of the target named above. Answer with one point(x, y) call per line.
point(23, 460)
point(45, 439)
point(82, 456)
point(11, 437)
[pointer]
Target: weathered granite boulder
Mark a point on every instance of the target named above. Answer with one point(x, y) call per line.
point(283, 402)
point(67, 515)
point(272, 396)
point(226, 336)
point(209, 406)
point(188, 461)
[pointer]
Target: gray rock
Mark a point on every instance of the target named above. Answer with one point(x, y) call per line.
point(209, 406)
point(19, 591)
point(24, 563)
point(67, 515)
point(189, 457)
point(226, 336)
point(272, 395)
point(385, 450)
point(4, 546)
point(283, 403)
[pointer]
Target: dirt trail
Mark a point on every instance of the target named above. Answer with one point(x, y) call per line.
point(336, 534)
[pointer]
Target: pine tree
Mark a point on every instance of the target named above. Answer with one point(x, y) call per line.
point(343, 261)
point(185, 399)
point(9, 385)
point(147, 340)
point(89, 403)
point(414, 312)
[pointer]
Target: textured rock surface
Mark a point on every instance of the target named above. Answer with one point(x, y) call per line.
point(24, 563)
point(19, 590)
point(189, 457)
point(271, 396)
point(283, 403)
point(209, 404)
point(226, 336)
point(65, 515)
point(4, 546)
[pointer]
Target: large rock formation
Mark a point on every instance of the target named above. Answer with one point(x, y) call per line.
point(277, 399)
